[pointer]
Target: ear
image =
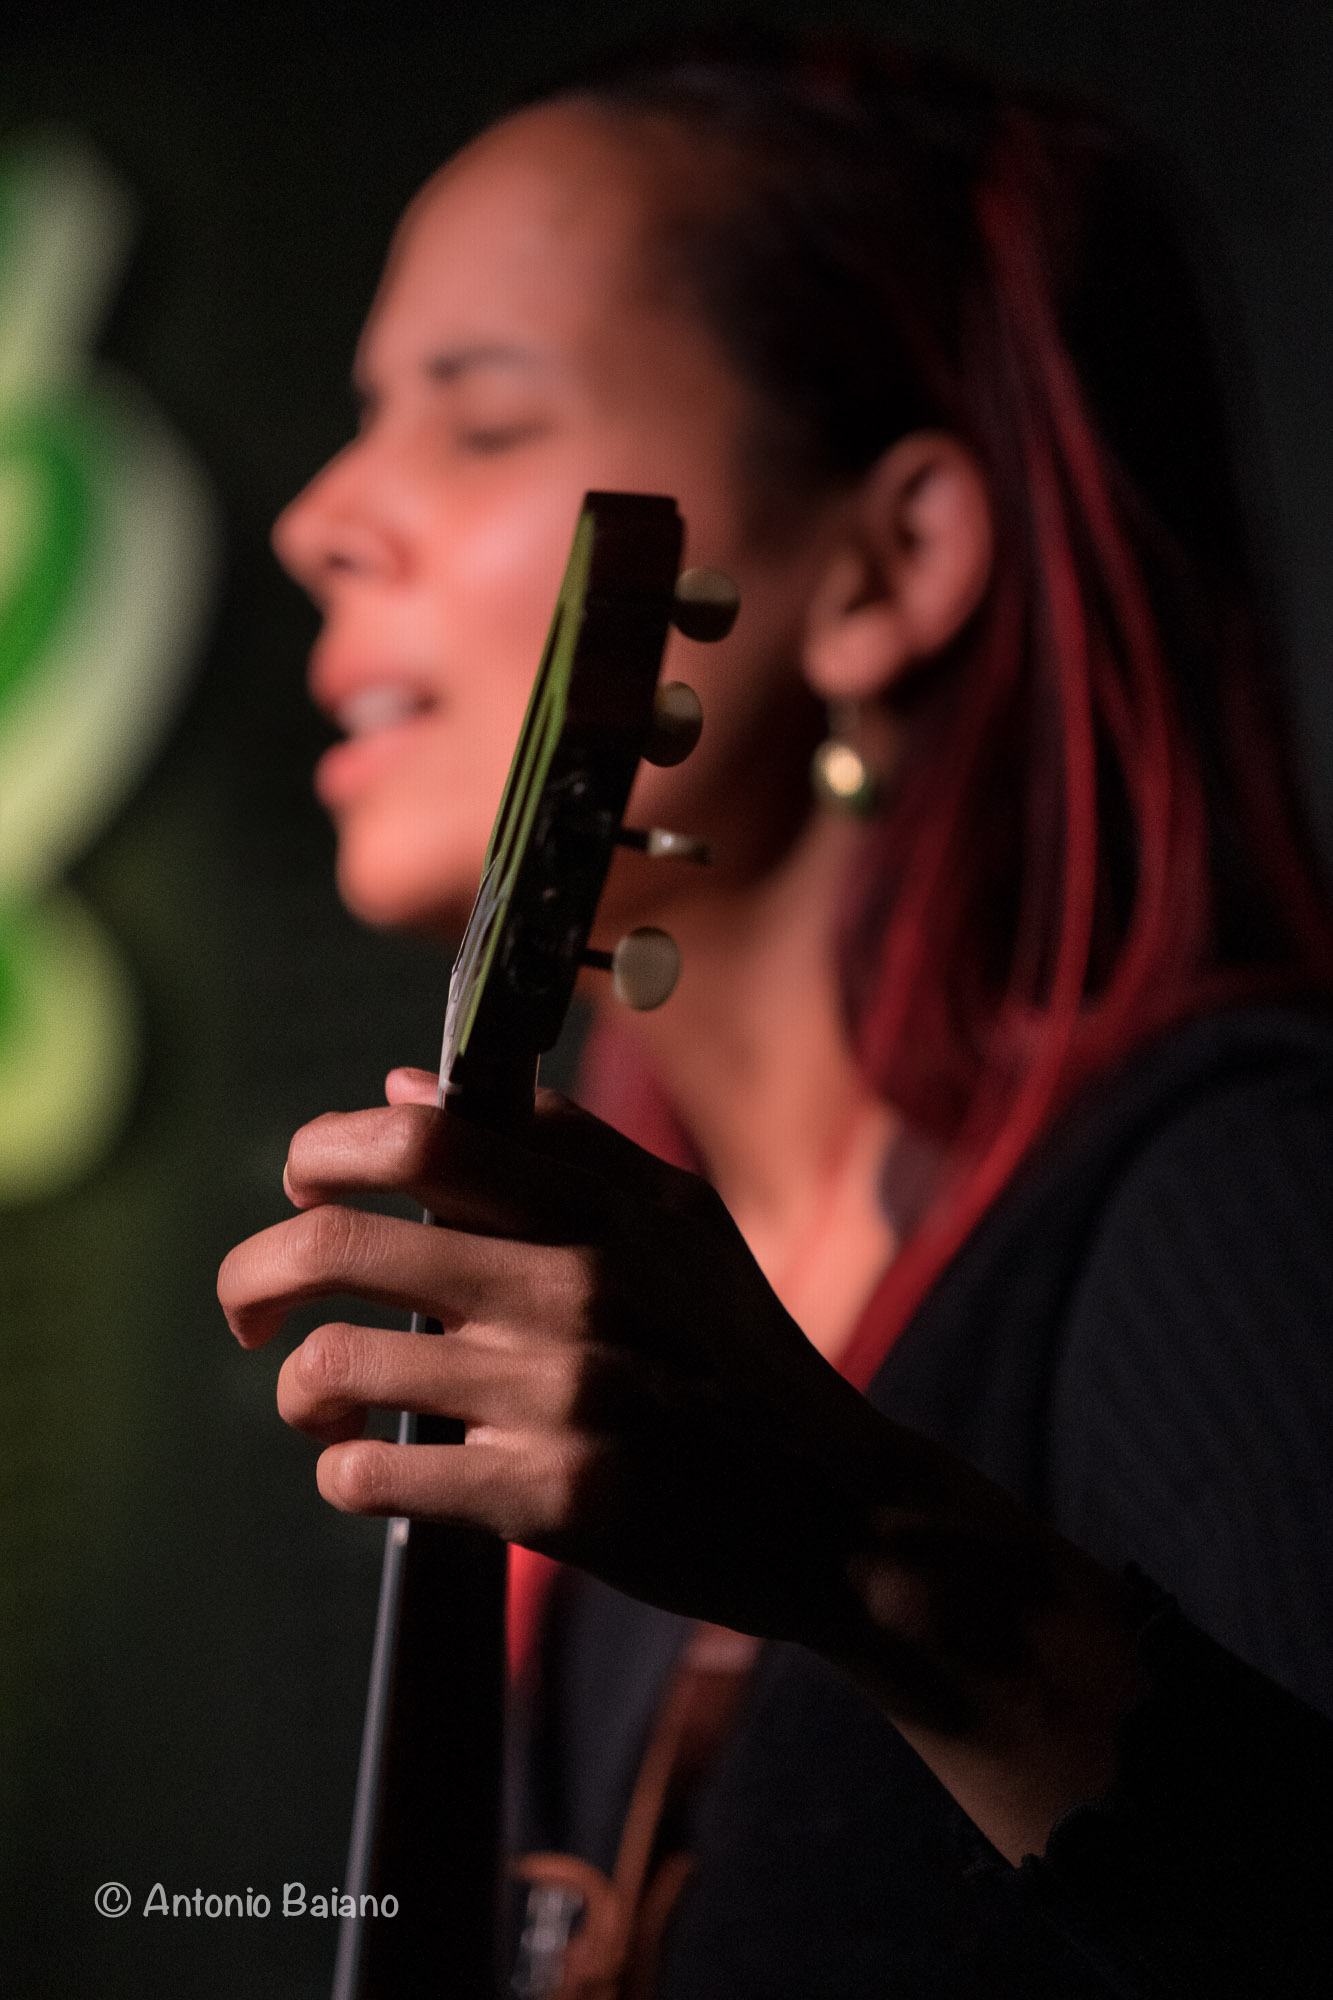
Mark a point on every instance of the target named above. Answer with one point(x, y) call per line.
point(909, 565)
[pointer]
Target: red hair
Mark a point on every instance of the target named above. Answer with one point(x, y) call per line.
point(990, 1067)
point(1097, 835)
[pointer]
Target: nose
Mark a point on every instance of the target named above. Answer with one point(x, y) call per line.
point(332, 528)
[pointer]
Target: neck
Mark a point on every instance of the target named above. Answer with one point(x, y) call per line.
point(752, 1051)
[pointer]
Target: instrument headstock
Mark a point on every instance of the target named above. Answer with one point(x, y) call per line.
point(594, 712)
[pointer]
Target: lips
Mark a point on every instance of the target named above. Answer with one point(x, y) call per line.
point(380, 718)
point(386, 705)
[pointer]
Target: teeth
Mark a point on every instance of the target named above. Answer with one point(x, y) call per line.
point(376, 708)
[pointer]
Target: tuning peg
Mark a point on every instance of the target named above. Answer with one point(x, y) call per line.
point(644, 967)
point(660, 844)
point(705, 605)
point(676, 726)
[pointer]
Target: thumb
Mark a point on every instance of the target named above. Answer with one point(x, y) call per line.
point(411, 1086)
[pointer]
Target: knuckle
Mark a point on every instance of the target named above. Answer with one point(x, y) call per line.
point(326, 1359)
point(409, 1143)
point(230, 1287)
point(570, 1286)
point(566, 1376)
point(325, 1238)
point(361, 1475)
point(556, 1486)
point(243, 1293)
point(308, 1143)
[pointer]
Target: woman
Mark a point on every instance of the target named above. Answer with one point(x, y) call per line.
point(1015, 1088)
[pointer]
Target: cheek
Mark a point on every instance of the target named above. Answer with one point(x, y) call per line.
point(495, 570)
point(412, 844)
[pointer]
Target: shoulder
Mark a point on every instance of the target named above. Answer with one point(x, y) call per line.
point(1214, 1228)
point(1192, 1406)
point(1228, 1173)
point(1229, 1115)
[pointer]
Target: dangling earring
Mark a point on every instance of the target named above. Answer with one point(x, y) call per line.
point(839, 771)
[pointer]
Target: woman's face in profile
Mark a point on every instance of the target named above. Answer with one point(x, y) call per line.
point(516, 355)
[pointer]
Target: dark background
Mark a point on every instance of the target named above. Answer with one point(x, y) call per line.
point(184, 1629)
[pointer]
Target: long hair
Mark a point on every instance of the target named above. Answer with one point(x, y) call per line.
point(1097, 834)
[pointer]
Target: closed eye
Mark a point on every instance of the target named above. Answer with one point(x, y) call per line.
point(487, 439)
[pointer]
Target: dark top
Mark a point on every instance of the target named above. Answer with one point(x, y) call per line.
point(1138, 1341)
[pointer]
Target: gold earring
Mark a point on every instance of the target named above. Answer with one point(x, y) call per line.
point(839, 771)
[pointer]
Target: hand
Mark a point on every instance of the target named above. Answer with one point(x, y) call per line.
point(638, 1402)
point(636, 1399)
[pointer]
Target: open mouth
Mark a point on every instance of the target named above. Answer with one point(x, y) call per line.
point(372, 710)
point(378, 723)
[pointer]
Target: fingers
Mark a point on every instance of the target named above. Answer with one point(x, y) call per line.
point(448, 1275)
point(468, 1177)
point(490, 1182)
point(486, 1378)
point(560, 1128)
point(523, 1488)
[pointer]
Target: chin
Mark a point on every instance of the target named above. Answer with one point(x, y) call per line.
point(385, 889)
